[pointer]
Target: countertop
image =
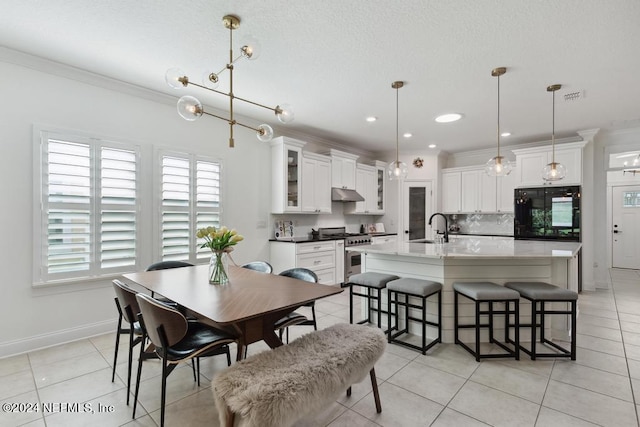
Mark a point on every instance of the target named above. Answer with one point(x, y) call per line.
point(479, 248)
point(303, 239)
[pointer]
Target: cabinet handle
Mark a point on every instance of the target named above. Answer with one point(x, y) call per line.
point(316, 247)
point(316, 262)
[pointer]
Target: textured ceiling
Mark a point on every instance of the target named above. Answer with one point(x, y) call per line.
point(334, 61)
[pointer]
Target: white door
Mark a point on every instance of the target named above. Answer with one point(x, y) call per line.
point(417, 197)
point(626, 227)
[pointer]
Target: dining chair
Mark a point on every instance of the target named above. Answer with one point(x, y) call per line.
point(176, 340)
point(128, 310)
point(295, 318)
point(166, 265)
point(261, 266)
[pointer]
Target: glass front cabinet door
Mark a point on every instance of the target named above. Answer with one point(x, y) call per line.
point(286, 161)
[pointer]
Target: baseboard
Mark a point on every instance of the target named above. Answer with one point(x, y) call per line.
point(38, 342)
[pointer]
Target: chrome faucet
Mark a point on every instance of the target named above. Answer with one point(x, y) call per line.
point(446, 225)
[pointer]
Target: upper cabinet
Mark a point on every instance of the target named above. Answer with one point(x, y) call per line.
point(531, 162)
point(343, 169)
point(370, 184)
point(286, 162)
point(316, 184)
point(471, 190)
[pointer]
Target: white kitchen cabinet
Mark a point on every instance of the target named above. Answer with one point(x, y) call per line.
point(340, 261)
point(531, 162)
point(451, 192)
point(468, 190)
point(319, 257)
point(367, 187)
point(343, 169)
point(376, 240)
point(315, 184)
point(506, 185)
point(286, 161)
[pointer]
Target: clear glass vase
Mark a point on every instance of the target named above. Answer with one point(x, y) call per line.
point(218, 267)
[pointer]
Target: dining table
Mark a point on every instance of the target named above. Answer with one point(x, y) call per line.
point(248, 305)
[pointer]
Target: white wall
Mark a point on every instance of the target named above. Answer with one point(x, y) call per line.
point(35, 317)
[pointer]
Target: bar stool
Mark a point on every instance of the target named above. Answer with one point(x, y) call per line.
point(490, 293)
point(417, 288)
point(539, 293)
point(374, 282)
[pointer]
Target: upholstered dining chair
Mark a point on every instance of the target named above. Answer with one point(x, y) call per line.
point(261, 266)
point(128, 310)
point(176, 340)
point(295, 318)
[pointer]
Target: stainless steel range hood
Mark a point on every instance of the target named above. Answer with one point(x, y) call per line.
point(345, 195)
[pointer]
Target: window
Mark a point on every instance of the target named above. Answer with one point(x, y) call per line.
point(190, 200)
point(631, 199)
point(88, 212)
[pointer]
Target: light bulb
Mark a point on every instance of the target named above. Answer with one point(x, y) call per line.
point(265, 133)
point(210, 80)
point(554, 172)
point(397, 170)
point(189, 108)
point(175, 78)
point(251, 48)
point(284, 113)
point(498, 166)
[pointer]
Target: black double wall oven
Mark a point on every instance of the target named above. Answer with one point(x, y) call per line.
point(547, 213)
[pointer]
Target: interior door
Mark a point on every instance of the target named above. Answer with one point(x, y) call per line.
point(626, 227)
point(417, 204)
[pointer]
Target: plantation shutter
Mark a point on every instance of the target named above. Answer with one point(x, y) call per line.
point(89, 208)
point(190, 200)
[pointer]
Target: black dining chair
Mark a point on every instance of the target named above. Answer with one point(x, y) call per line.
point(261, 266)
point(166, 265)
point(177, 340)
point(128, 310)
point(295, 318)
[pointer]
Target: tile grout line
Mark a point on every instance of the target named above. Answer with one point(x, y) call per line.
point(624, 349)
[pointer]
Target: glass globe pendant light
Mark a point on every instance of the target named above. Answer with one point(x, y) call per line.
point(499, 165)
point(553, 171)
point(397, 170)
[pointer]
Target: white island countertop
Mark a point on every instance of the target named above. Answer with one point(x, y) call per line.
point(476, 248)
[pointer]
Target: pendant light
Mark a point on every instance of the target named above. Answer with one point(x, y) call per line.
point(499, 165)
point(553, 171)
point(397, 170)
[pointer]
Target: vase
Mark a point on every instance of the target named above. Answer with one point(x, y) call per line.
point(218, 268)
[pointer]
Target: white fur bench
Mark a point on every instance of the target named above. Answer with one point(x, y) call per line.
point(277, 387)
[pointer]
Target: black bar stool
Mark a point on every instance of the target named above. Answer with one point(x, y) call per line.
point(490, 293)
point(419, 289)
point(374, 283)
point(540, 293)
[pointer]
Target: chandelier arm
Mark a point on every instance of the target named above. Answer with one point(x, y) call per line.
point(230, 121)
point(275, 110)
point(247, 126)
point(231, 63)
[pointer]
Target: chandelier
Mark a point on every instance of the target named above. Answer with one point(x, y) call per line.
point(190, 108)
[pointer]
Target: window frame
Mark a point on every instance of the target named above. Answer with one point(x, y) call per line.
point(195, 256)
point(41, 137)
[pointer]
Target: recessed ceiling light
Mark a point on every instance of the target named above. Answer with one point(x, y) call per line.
point(371, 119)
point(505, 134)
point(432, 145)
point(449, 117)
point(407, 134)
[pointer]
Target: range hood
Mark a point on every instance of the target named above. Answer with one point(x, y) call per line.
point(345, 195)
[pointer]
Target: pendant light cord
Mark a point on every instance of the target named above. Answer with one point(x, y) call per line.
point(553, 127)
point(397, 128)
point(498, 115)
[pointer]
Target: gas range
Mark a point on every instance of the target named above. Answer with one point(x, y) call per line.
point(350, 239)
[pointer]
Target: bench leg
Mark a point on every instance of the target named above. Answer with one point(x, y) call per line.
point(374, 386)
point(229, 417)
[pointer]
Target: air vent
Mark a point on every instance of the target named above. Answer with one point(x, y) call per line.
point(574, 96)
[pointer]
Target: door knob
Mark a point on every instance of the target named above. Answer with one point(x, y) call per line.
point(617, 231)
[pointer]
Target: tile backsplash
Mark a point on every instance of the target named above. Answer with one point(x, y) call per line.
point(500, 224)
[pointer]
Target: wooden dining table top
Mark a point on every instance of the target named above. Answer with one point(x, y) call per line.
point(248, 294)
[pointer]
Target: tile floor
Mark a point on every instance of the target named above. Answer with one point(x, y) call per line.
point(444, 388)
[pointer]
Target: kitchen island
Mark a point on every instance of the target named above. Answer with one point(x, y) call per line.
point(494, 260)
